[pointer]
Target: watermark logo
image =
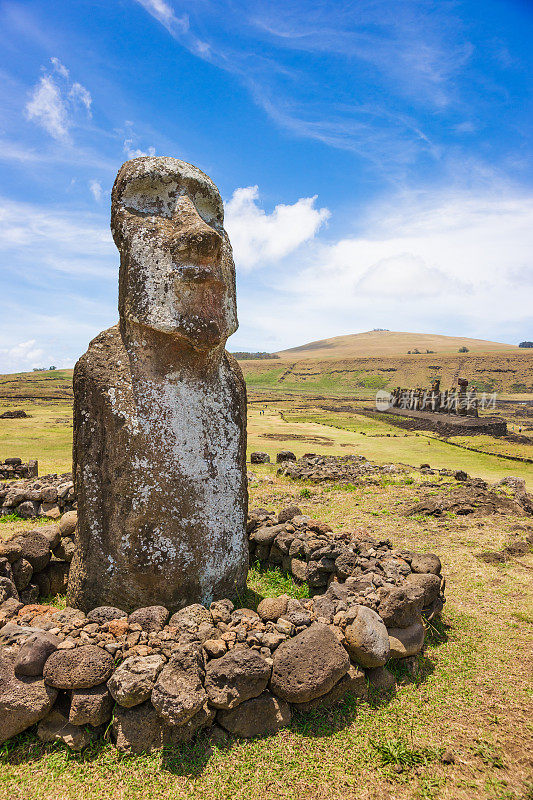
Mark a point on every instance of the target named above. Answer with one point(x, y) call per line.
point(383, 400)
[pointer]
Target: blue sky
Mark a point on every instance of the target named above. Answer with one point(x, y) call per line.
point(375, 158)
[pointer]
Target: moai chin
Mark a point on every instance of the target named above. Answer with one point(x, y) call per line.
point(159, 452)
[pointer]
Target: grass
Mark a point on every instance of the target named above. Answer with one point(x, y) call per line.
point(469, 693)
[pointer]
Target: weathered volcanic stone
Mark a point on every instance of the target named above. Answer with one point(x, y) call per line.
point(236, 677)
point(185, 732)
point(23, 701)
point(272, 608)
point(406, 641)
point(425, 562)
point(22, 573)
point(353, 683)
point(57, 728)
point(381, 679)
point(178, 693)
point(8, 590)
point(308, 665)
point(138, 730)
point(91, 706)
point(367, 639)
point(288, 513)
point(259, 458)
point(67, 523)
point(34, 653)
point(285, 455)
point(428, 584)
point(151, 618)
point(260, 716)
point(58, 572)
point(401, 605)
point(133, 681)
point(160, 407)
point(35, 548)
point(79, 668)
point(105, 614)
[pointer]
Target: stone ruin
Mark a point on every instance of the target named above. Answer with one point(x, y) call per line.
point(150, 641)
point(160, 678)
point(14, 468)
point(49, 496)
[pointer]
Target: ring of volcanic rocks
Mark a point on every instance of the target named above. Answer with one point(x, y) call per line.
point(159, 679)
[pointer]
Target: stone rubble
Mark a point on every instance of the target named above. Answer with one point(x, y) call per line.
point(160, 679)
point(48, 496)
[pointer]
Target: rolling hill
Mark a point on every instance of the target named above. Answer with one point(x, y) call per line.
point(389, 343)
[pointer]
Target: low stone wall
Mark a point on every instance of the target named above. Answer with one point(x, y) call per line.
point(341, 469)
point(161, 679)
point(444, 424)
point(37, 562)
point(49, 496)
point(14, 468)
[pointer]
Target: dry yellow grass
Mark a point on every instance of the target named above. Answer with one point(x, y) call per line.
point(472, 695)
point(389, 343)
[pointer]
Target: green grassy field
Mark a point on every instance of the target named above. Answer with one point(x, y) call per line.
point(470, 696)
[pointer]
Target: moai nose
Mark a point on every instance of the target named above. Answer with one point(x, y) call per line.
point(195, 240)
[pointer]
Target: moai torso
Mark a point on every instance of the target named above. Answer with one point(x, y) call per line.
point(160, 407)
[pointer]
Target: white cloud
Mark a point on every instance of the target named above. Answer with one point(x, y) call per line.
point(52, 105)
point(259, 238)
point(67, 242)
point(21, 356)
point(47, 108)
point(136, 152)
point(96, 190)
point(79, 94)
point(59, 67)
point(164, 14)
point(448, 264)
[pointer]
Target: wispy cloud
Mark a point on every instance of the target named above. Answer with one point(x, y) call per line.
point(52, 105)
point(415, 51)
point(96, 190)
point(164, 13)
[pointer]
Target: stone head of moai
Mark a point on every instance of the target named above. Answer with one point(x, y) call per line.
point(177, 275)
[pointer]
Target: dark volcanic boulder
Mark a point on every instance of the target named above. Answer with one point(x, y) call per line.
point(138, 730)
point(23, 701)
point(150, 618)
point(34, 653)
point(133, 680)
point(353, 684)
point(103, 614)
point(260, 716)
point(91, 706)
point(259, 458)
point(367, 639)
point(178, 693)
point(406, 642)
point(236, 677)
point(308, 665)
point(79, 668)
point(400, 606)
point(35, 548)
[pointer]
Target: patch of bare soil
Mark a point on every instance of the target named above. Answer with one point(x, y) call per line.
point(285, 437)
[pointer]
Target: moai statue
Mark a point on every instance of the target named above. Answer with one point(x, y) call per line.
point(159, 452)
point(462, 401)
point(472, 402)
